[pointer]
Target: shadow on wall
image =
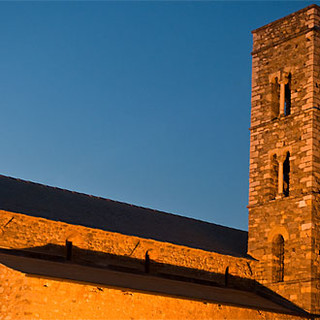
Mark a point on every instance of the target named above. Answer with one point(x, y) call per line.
point(144, 275)
point(75, 208)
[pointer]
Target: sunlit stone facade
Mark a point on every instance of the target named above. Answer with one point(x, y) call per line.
point(283, 51)
point(65, 255)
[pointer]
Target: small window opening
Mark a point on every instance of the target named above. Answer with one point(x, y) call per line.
point(287, 97)
point(275, 103)
point(69, 250)
point(286, 175)
point(278, 258)
point(147, 263)
point(226, 277)
point(274, 177)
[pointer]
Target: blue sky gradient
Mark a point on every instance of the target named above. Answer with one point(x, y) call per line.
point(142, 102)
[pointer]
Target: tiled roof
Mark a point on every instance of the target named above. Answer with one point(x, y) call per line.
point(57, 204)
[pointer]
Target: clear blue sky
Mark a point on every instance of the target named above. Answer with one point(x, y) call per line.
point(142, 102)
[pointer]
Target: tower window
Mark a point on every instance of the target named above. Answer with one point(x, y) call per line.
point(275, 103)
point(278, 258)
point(281, 95)
point(286, 175)
point(279, 176)
point(274, 177)
point(287, 97)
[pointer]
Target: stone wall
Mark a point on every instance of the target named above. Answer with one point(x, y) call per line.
point(289, 46)
point(25, 294)
point(31, 297)
point(36, 233)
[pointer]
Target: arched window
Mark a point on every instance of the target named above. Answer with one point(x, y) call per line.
point(281, 95)
point(279, 176)
point(278, 258)
point(286, 175)
point(287, 96)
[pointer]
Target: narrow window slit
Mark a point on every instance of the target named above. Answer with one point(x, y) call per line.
point(275, 98)
point(274, 177)
point(286, 175)
point(278, 258)
point(69, 250)
point(226, 277)
point(287, 97)
point(147, 263)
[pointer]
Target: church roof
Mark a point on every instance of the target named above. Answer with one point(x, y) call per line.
point(57, 204)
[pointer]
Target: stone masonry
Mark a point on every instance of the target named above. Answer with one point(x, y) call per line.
point(286, 51)
point(32, 297)
point(284, 214)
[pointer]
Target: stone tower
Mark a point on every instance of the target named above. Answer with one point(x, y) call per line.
point(284, 200)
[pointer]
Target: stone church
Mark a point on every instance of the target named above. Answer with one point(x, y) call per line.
point(67, 255)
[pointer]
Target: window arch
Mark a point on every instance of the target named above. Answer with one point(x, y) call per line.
point(278, 258)
point(280, 94)
point(279, 175)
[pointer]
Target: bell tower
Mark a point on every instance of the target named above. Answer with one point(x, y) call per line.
point(284, 183)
